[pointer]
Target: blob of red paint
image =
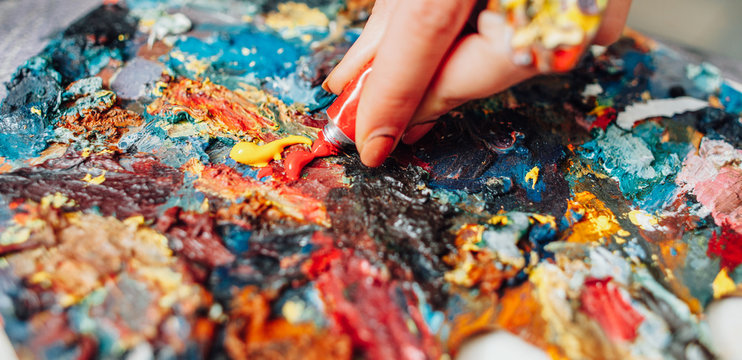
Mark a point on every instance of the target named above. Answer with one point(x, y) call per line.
point(602, 301)
point(727, 245)
point(296, 161)
point(566, 58)
point(604, 117)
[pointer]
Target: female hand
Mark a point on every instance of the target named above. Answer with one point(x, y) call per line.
point(422, 68)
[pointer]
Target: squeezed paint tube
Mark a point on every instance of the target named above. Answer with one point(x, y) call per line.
point(340, 131)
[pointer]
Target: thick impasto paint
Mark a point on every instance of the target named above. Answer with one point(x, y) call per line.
point(160, 197)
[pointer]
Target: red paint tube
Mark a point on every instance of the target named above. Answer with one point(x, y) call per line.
point(339, 132)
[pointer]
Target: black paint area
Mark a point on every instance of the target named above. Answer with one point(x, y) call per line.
point(717, 124)
point(259, 256)
point(108, 25)
point(482, 154)
point(410, 231)
point(33, 84)
point(133, 185)
point(104, 29)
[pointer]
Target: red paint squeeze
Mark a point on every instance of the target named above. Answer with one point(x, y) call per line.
point(296, 161)
point(602, 301)
point(342, 114)
point(728, 246)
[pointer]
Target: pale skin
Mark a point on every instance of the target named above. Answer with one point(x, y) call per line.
point(423, 68)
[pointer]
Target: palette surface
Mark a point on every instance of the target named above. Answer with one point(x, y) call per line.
point(594, 214)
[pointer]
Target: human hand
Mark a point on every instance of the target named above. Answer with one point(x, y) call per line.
point(423, 66)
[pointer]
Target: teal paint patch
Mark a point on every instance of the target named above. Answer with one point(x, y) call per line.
point(643, 166)
point(247, 54)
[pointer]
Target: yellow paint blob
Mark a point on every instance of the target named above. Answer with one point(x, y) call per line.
point(256, 155)
point(643, 220)
point(95, 180)
point(532, 176)
point(544, 219)
point(292, 14)
point(498, 220)
point(292, 311)
point(723, 284)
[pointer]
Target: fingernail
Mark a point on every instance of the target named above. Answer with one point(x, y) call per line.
point(325, 87)
point(494, 26)
point(376, 149)
point(491, 17)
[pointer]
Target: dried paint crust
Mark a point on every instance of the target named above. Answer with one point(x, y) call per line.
point(127, 230)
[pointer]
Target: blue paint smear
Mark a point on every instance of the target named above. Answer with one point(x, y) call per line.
point(706, 77)
point(186, 197)
point(508, 169)
point(235, 238)
point(292, 89)
point(539, 236)
point(245, 53)
point(670, 73)
point(629, 81)
point(731, 98)
point(172, 151)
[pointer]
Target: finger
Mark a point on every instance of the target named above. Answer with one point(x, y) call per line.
point(614, 20)
point(417, 131)
point(478, 66)
point(418, 36)
point(363, 48)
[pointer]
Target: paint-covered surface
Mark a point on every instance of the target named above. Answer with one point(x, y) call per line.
point(594, 214)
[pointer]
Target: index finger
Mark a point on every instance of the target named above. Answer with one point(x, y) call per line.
point(417, 38)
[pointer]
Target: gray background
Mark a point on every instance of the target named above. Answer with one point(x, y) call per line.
point(710, 29)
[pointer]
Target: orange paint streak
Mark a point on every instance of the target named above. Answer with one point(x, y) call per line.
point(598, 222)
point(470, 324)
point(224, 181)
point(216, 105)
point(475, 265)
point(253, 333)
point(520, 313)
point(4, 166)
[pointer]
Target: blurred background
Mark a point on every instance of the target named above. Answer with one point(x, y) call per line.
point(705, 30)
point(712, 26)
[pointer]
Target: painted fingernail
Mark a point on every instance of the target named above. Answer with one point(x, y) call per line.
point(376, 149)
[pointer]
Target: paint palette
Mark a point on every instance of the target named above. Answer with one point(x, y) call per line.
point(594, 214)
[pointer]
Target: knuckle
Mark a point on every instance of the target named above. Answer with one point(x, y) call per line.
point(434, 17)
point(401, 100)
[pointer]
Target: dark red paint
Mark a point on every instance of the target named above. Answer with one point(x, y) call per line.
point(193, 235)
point(134, 184)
